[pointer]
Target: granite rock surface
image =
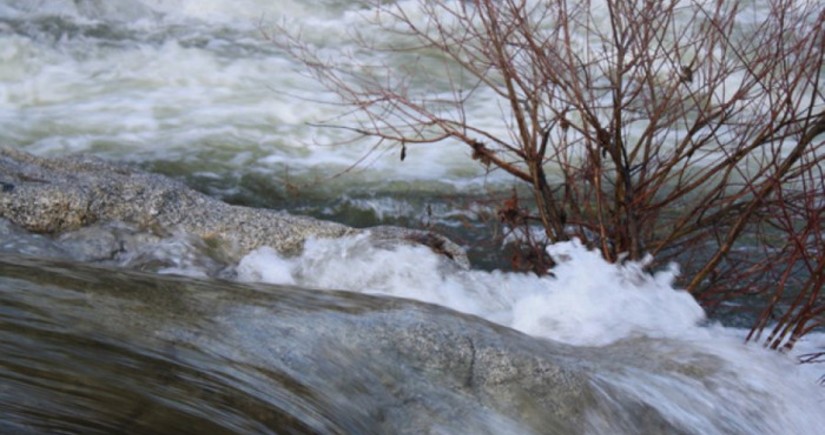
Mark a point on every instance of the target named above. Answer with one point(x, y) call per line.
point(56, 195)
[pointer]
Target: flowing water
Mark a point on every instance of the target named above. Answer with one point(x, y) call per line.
point(192, 89)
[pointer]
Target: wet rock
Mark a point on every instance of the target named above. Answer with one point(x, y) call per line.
point(14, 239)
point(296, 360)
point(53, 196)
point(91, 244)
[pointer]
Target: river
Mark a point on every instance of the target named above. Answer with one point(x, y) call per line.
point(192, 89)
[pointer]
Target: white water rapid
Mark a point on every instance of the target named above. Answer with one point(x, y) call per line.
point(588, 302)
point(192, 88)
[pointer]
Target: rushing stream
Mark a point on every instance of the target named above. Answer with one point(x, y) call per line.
point(167, 338)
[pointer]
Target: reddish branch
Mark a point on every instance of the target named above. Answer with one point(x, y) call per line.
point(673, 126)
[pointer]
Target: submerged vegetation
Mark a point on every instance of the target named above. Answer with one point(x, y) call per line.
point(688, 130)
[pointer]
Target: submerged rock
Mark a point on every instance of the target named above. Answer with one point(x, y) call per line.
point(54, 196)
point(133, 352)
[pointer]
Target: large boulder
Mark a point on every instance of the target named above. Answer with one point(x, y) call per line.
point(45, 195)
point(131, 352)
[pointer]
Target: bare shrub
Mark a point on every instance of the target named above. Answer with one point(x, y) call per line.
point(639, 126)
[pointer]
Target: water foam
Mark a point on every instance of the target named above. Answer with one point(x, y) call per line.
point(587, 302)
point(184, 80)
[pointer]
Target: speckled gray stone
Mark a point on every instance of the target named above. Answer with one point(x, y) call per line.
point(45, 195)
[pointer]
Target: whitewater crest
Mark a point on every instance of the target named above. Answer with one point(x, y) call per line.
point(587, 301)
